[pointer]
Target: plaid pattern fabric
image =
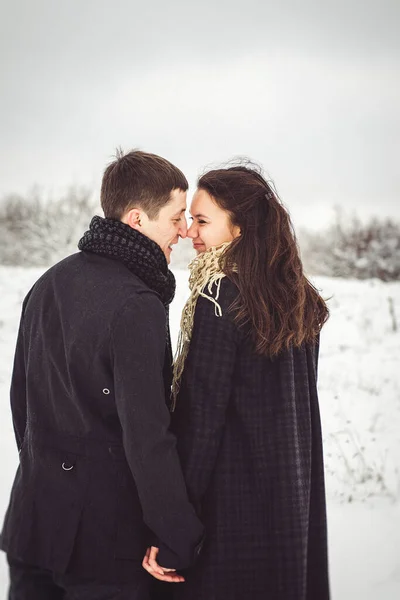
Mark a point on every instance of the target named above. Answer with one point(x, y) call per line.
point(249, 440)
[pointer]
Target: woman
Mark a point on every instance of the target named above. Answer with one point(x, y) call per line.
point(245, 400)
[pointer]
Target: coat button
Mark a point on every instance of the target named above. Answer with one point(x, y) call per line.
point(106, 391)
point(67, 466)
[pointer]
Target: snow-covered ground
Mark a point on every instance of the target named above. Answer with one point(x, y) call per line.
point(359, 384)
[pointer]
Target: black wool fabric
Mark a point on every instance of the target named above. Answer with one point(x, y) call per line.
point(98, 474)
point(142, 256)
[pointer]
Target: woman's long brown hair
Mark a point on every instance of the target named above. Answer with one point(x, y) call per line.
point(280, 305)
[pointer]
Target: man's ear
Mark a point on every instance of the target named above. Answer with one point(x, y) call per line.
point(133, 218)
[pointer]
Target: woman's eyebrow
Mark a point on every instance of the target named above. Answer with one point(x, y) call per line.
point(199, 216)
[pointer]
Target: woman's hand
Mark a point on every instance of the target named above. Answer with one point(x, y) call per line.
point(150, 564)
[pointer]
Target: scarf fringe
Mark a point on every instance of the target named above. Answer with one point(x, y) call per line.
point(205, 272)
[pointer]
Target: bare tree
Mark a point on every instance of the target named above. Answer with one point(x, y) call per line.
point(350, 248)
point(35, 230)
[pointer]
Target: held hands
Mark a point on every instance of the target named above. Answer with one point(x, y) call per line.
point(150, 564)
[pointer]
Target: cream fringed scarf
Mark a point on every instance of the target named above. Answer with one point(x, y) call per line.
point(205, 271)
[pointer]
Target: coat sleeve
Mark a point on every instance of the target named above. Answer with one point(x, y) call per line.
point(18, 390)
point(138, 351)
point(18, 383)
point(205, 392)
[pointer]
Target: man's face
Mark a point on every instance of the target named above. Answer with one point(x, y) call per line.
point(170, 224)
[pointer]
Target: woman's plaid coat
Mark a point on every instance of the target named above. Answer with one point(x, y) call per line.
point(249, 440)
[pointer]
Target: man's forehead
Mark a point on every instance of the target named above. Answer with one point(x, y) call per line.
point(178, 198)
point(182, 210)
point(177, 193)
point(176, 207)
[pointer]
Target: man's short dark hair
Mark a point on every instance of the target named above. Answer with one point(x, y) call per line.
point(138, 179)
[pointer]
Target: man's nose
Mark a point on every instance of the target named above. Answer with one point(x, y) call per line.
point(183, 228)
point(191, 232)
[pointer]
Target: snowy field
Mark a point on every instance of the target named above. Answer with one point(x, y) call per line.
point(359, 385)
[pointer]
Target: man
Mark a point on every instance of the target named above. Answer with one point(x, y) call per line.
point(99, 479)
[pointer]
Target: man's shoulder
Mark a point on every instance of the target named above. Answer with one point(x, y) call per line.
point(96, 270)
point(87, 277)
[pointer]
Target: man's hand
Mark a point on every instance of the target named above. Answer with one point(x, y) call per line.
point(150, 564)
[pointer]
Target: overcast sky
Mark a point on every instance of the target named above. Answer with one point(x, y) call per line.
point(311, 90)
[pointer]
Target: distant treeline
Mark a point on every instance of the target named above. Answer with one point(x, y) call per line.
point(351, 248)
point(38, 231)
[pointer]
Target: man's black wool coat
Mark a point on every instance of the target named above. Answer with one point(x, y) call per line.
point(249, 440)
point(98, 467)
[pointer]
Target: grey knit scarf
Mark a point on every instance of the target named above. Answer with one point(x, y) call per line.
point(142, 256)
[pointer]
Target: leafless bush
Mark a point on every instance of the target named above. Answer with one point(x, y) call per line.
point(36, 231)
point(350, 248)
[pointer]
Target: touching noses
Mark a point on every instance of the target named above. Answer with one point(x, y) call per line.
point(192, 231)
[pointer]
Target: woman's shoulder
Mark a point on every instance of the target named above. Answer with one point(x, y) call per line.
point(229, 286)
point(217, 299)
point(229, 292)
point(223, 291)
point(214, 314)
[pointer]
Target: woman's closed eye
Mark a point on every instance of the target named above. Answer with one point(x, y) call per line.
point(199, 221)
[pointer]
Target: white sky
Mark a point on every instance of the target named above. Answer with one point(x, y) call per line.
point(311, 90)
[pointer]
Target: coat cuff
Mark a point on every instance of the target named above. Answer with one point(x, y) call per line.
point(170, 560)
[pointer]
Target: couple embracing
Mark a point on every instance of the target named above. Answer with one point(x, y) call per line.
point(140, 477)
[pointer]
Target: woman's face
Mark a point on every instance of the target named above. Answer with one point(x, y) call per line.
point(211, 225)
